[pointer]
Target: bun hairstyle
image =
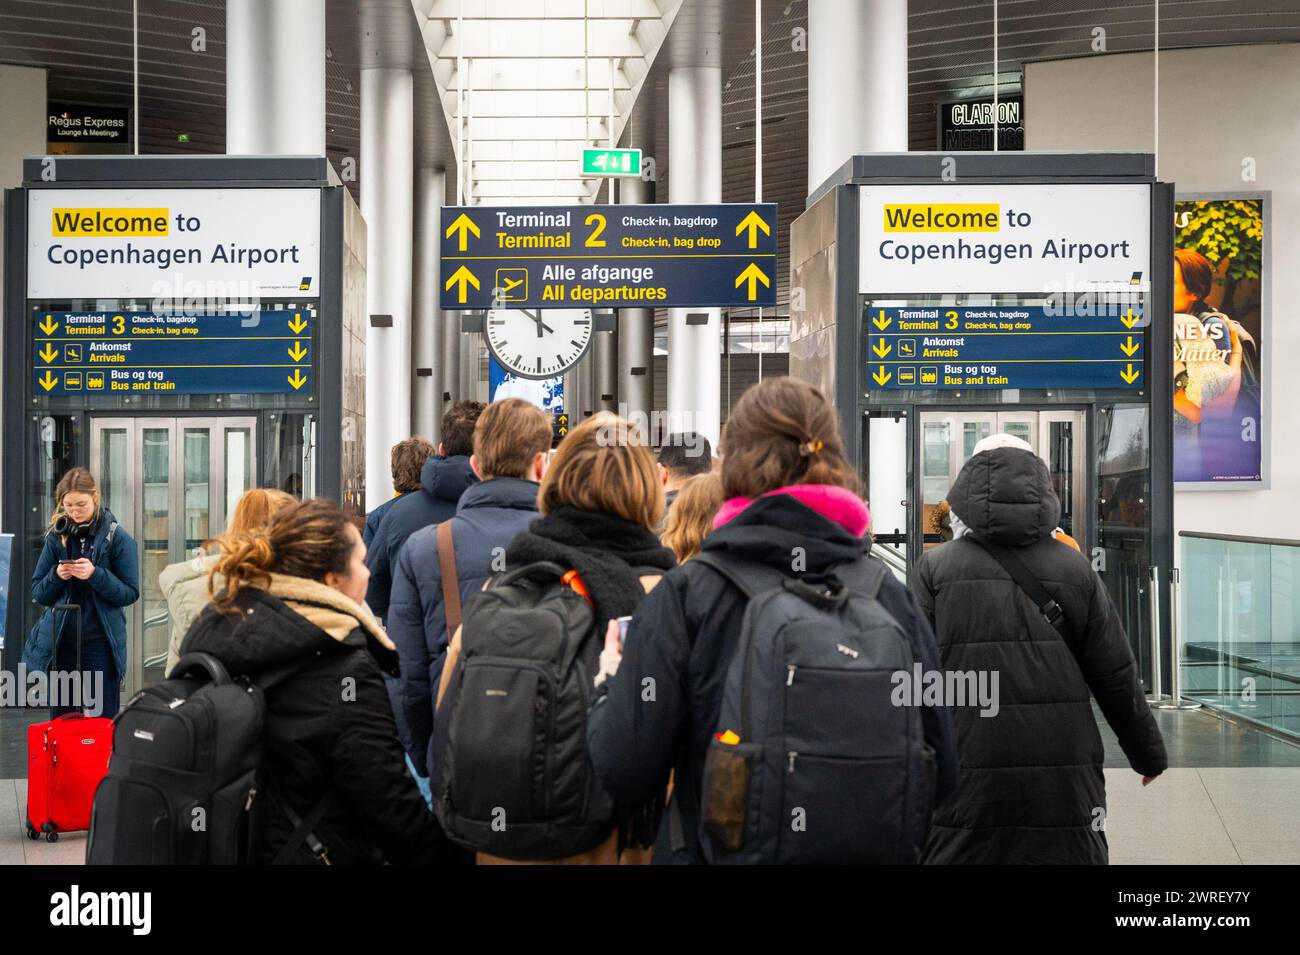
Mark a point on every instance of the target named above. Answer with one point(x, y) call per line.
point(75, 481)
point(783, 432)
point(305, 539)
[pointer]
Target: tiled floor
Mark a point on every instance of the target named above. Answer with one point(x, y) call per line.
point(1231, 797)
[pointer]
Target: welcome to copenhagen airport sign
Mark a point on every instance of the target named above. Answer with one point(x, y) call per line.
point(620, 256)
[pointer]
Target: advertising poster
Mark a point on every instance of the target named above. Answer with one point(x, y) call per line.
point(1218, 343)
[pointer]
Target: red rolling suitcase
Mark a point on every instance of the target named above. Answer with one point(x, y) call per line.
point(66, 759)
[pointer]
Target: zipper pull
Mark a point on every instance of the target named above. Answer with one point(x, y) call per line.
point(789, 675)
point(790, 757)
point(248, 803)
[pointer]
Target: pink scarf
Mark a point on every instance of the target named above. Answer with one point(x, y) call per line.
point(830, 501)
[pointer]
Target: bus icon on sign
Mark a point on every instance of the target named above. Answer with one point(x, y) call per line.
point(72, 381)
point(907, 376)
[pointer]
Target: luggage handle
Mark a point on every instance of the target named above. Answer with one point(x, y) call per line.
point(192, 662)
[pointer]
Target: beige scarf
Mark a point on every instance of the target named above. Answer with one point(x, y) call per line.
point(332, 611)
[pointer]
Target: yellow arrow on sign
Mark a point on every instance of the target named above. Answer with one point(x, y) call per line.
point(296, 324)
point(48, 381)
point(881, 322)
point(49, 326)
point(753, 275)
point(464, 225)
point(1128, 374)
point(297, 352)
point(1130, 319)
point(49, 353)
point(882, 377)
point(297, 379)
point(753, 222)
point(1129, 346)
point(881, 348)
point(462, 277)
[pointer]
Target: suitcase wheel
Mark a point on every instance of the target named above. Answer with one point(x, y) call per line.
point(51, 837)
point(32, 833)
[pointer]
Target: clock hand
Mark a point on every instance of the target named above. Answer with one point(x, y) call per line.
point(540, 324)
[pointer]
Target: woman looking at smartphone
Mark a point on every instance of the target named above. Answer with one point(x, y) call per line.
point(89, 561)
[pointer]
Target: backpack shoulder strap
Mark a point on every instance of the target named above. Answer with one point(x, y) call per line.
point(450, 581)
point(1027, 582)
point(864, 576)
point(748, 576)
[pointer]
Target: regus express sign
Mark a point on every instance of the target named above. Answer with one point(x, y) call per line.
point(154, 243)
point(1004, 238)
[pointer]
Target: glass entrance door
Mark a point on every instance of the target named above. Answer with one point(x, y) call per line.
point(948, 440)
point(172, 483)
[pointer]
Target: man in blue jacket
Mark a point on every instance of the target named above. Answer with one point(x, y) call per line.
point(443, 479)
point(406, 461)
point(511, 441)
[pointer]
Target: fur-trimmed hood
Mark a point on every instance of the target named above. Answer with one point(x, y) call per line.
point(286, 619)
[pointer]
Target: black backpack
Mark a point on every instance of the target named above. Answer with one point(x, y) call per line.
point(812, 762)
point(185, 783)
point(511, 774)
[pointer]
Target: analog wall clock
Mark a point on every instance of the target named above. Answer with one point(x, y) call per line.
point(538, 343)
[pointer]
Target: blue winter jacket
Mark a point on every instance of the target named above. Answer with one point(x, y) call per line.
point(490, 515)
point(374, 517)
point(442, 482)
point(115, 584)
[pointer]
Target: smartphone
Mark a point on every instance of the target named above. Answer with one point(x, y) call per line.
point(622, 630)
point(69, 560)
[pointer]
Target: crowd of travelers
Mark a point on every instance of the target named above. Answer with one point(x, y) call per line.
point(590, 653)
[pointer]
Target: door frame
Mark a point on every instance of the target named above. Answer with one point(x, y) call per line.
point(916, 536)
point(129, 511)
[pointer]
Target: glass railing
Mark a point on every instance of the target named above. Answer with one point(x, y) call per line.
point(1240, 627)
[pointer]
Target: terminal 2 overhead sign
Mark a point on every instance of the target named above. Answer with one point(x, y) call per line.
point(1078, 254)
point(615, 256)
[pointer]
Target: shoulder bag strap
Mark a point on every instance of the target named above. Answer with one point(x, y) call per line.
point(1027, 582)
point(302, 831)
point(864, 576)
point(450, 582)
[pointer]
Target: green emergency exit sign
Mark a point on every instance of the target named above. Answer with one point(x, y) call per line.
point(601, 163)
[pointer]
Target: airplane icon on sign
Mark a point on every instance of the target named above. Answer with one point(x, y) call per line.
point(512, 285)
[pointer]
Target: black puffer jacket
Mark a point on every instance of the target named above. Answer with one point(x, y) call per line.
point(329, 732)
point(1032, 789)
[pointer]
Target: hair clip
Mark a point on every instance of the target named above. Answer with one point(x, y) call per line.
point(810, 447)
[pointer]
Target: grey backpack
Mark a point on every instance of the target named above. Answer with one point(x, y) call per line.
point(812, 761)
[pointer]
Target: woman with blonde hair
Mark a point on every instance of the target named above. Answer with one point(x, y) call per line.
point(88, 561)
point(692, 513)
point(184, 585)
point(600, 500)
point(336, 787)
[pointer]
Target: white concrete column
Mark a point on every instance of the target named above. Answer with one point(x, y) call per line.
point(857, 82)
point(426, 317)
point(636, 335)
point(387, 178)
point(694, 175)
point(275, 77)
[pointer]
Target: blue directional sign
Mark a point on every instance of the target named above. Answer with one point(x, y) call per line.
point(615, 256)
point(93, 353)
point(999, 346)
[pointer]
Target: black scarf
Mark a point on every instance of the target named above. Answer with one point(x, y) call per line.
point(609, 554)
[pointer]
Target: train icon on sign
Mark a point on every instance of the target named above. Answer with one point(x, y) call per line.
point(94, 381)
